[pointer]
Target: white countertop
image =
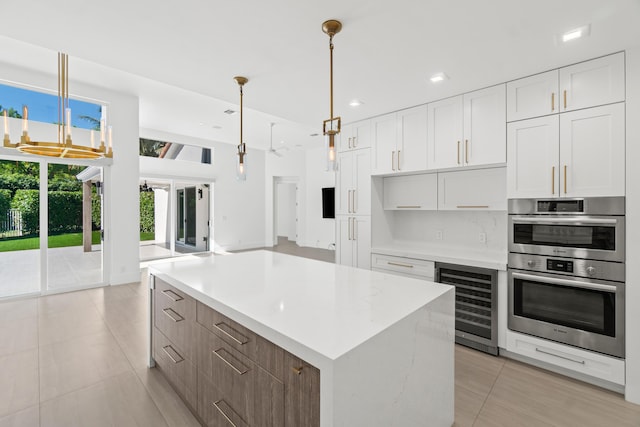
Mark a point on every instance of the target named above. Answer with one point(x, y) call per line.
point(492, 259)
point(311, 308)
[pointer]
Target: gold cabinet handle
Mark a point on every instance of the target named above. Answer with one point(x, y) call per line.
point(408, 207)
point(297, 371)
point(472, 207)
point(466, 151)
point(349, 201)
point(353, 200)
point(175, 316)
point(398, 160)
point(218, 406)
point(240, 371)
point(565, 99)
point(553, 180)
point(354, 142)
point(458, 152)
point(177, 359)
point(355, 229)
point(349, 228)
point(222, 327)
point(393, 166)
point(399, 264)
point(565, 179)
point(553, 101)
point(172, 295)
point(349, 142)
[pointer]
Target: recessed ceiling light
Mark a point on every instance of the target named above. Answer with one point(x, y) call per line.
point(576, 33)
point(438, 77)
point(230, 112)
point(355, 103)
point(201, 123)
point(281, 142)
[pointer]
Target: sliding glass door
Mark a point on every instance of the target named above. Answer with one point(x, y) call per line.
point(186, 216)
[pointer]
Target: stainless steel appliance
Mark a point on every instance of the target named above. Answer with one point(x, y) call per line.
point(476, 304)
point(566, 271)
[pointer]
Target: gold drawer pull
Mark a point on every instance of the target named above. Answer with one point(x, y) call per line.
point(553, 101)
point(238, 371)
point(472, 207)
point(172, 295)
point(297, 371)
point(242, 340)
point(218, 406)
point(399, 264)
point(408, 207)
point(175, 316)
point(177, 359)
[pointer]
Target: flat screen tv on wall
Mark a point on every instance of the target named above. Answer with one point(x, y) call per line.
point(328, 202)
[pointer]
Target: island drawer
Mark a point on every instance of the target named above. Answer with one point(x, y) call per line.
point(407, 266)
point(235, 387)
point(175, 319)
point(248, 343)
point(179, 371)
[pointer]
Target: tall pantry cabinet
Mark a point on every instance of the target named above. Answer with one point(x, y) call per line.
point(353, 197)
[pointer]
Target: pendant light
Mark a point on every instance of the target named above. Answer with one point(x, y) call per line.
point(64, 147)
point(241, 166)
point(331, 28)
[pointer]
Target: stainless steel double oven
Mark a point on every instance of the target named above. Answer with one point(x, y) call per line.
point(566, 271)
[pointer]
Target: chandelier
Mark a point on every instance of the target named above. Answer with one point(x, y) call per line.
point(331, 28)
point(241, 171)
point(64, 147)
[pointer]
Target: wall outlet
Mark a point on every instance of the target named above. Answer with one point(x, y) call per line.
point(439, 235)
point(482, 237)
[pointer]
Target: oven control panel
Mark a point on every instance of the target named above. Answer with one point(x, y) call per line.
point(560, 265)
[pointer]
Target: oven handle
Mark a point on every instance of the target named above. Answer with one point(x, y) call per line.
point(565, 282)
point(562, 221)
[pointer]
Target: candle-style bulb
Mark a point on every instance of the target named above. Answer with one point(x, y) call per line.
point(25, 120)
point(110, 138)
point(6, 123)
point(93, 143)
point(67, 123)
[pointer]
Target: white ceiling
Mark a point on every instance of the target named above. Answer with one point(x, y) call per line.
point(180, 57)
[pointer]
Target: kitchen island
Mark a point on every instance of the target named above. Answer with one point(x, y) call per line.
point(381, 345)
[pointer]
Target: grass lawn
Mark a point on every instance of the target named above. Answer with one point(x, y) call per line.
point(59, 241)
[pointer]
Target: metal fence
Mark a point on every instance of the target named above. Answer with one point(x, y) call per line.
point(11, 224)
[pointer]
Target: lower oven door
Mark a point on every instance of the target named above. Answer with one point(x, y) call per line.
point(580, 312)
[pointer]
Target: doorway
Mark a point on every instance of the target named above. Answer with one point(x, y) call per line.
point(285, 211)
point(186, 215)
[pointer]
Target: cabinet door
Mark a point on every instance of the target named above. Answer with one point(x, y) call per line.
point(444, 141)
point(485, 121)
point(592, 155)
point(478, 189)
point(411, 153)
point(344, 183)
point(533, 96)
point(361, 196)
point(344, 233)
point(532, 158)
point(384, 144)
point(345, 138)
point(411, 192)
point(591, 83)
point(362, 242)
point(302, 393)
point(361, 134)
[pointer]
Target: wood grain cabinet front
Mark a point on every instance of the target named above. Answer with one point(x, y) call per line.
point(302, 393)
point(175, 314)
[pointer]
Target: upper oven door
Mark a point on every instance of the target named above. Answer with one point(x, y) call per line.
point(587, 237)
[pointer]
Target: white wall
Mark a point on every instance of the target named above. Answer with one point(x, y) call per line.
point(632, 288)
point(237, 206)
point(121, 208)
point(161, 215)
point(319, 232)
point(286, 210)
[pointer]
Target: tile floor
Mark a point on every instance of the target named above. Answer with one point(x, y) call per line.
point(78, 359)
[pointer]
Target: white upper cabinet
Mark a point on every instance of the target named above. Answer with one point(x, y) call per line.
point(587, 84)
point(355, 135)
point(473, 190)
point(445, 133)
point(576, 154)
point(467, 130)
point(485, 132)
point(532, 157)
point(592, 152)
point(411, 143)
point(591, 83)
point(411, 192)
point(384, 144)
point(533, 96)
point(400, 141)
point(353, 183)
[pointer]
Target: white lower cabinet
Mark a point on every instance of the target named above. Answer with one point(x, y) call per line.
point(409, 267)
point(411, 192)
point(354, 241)
point(573, 359)
point(476, 190)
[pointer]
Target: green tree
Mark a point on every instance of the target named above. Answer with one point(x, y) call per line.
point(11, 112)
